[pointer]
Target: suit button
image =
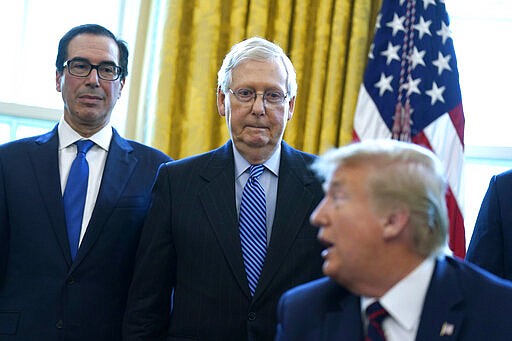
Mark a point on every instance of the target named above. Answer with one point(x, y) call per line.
point(251, 316)
point(59, 324)
point(71, 281)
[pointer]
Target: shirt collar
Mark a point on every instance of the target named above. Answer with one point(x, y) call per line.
point(272, 164)
point(404, 301)
point(68, 136)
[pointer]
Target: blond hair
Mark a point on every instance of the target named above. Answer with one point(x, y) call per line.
point(404, 174)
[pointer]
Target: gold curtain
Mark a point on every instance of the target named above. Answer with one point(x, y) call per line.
point(327, 40)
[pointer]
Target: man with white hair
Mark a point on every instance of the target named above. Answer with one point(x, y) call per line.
point(229, 230)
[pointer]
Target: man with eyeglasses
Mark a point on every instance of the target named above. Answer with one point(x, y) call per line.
point(65, 275)
point(225, 237)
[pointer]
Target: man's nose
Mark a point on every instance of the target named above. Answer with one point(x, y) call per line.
point(259, 104)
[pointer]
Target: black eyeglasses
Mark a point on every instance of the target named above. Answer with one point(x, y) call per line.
point(82, 68)
point(269, 96)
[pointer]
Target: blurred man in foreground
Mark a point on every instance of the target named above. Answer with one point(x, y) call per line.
point(383, 221)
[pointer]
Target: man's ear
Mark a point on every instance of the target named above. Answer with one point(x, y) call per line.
point(58, 77)
point(395, 222)
point(291, 107)
point(121, 86)
point(221, 102)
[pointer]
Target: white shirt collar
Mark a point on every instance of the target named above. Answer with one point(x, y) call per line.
point(404, 301)
point(68, 136)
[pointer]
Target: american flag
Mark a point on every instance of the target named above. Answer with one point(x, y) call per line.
point(411, 92)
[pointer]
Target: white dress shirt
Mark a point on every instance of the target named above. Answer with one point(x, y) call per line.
point(404, 303)
point(96, 158)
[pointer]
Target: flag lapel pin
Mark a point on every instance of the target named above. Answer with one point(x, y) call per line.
point(447, 329)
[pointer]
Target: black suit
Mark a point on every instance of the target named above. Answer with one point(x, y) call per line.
point(190, 243)
point(43, 294)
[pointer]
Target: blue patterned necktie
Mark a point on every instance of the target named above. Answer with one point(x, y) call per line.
point(75, 193)
point(253, 226)
point(376, 315)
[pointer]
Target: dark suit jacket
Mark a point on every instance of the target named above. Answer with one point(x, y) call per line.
point(491, 243)
point(43, 295)
point(190, 243)
point(476, 303)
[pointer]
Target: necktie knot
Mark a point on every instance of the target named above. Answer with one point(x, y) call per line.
point(83, 147)
point(256, 171)
point(376, 315)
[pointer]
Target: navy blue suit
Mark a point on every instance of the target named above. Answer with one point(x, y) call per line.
point(491, 242)
point(43, 294)
point(190, 244)
point(476, 303)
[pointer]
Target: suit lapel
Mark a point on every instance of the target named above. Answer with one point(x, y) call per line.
point(441, 319)
point(119, 167)
point(218, 200)
point(45, 163)
point(290, 214)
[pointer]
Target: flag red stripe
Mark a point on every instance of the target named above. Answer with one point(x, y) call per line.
point(457, 117)
point(456, 234)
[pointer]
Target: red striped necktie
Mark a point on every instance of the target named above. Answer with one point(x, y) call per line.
point(376, 315)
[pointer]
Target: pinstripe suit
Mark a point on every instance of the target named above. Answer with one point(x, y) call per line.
point(191, 246)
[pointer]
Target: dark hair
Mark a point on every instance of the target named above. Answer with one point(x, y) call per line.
point(93, 29)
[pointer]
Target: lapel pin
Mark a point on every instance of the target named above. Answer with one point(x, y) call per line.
point(446, 329)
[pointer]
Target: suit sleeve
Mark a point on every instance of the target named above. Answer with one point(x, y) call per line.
point(149, 299)
point(280, 331)
point(486, 245)
point(4, 227)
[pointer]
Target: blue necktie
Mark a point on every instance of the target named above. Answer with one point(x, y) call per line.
point(376, 315)
point(75, 193)
point(253, 227)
